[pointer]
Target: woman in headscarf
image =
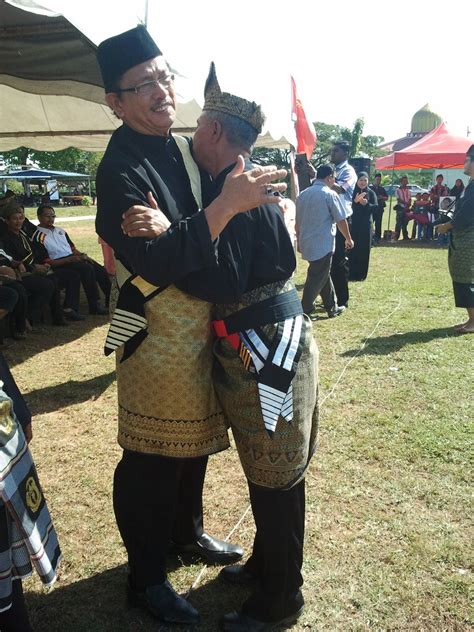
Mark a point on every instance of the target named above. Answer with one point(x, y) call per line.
point(461, 247)
point(364, 203)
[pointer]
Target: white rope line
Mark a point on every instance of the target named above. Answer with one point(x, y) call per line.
point(356, 355)
point(346, 366)
point(241, 519)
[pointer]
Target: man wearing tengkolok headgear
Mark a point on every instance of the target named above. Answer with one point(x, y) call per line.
point(169, 417)
point(266, 368)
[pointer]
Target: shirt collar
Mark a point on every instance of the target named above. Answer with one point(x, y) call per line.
point(156, 142)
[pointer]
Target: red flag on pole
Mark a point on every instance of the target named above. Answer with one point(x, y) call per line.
point(305, 132)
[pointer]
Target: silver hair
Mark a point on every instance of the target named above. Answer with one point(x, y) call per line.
point(238, 132)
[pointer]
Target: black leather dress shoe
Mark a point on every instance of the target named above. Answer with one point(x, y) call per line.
point(211, 550)
point(164, 603)
point(240, 622)
point(237, 575)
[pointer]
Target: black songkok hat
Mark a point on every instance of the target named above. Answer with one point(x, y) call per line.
point(118, 54)
point(218, 101)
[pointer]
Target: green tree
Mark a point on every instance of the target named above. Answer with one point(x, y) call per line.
point(278, 157)
point(327, 135)
point(356, 137)
point(70, 159)
point(15, 186)
point(370, 145)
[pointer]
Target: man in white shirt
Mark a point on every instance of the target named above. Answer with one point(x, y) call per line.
point(319, 210)
point(62, 254)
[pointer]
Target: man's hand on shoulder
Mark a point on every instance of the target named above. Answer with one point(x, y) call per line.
point(144, 221)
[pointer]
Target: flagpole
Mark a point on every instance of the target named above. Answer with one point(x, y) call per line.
point(295, 190)
point(391, 198)
point(146, 13)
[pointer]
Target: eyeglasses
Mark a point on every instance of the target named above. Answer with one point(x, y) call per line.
point(147, 88)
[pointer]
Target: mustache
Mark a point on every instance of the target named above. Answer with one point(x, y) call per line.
point(162, 103)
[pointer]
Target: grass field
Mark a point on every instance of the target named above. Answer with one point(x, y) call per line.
point(389, 530)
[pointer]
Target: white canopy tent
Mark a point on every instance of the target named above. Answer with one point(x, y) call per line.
point(51, 94)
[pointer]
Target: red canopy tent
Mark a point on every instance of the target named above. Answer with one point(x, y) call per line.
point(437, 150)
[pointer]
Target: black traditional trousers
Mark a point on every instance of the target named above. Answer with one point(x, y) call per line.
point(340, 270)
point(157, 500)
point(277, 554)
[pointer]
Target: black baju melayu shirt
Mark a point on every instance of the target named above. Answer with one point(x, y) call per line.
point(134, 164)
point(254, 249)
point(21, 248)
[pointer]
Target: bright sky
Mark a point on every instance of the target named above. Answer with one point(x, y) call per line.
point(382, 61)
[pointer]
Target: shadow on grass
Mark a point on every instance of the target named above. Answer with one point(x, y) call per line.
point(50, 398)
point(46, 337)
point(384, 345)
point(98, 604)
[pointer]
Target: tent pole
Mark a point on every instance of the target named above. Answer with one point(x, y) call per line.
point(390, 204)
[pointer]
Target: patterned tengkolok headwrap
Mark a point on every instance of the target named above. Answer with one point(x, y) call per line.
point(218, 101)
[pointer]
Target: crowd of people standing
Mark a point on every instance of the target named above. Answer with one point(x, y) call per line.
point(334, 229)
point(339, 218)
point(427, 210)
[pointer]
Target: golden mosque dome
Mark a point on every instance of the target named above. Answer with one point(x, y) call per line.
point(425, 120)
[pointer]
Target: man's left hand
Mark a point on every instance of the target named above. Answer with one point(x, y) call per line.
point(141, 221)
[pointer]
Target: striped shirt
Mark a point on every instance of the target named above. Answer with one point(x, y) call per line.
point(403, 196)
point(346, 178)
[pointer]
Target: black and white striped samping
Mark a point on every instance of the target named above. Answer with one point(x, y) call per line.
point(275, 366)
point(124, 326)
point(129, 326)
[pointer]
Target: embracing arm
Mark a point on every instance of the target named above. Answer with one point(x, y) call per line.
point(163, 259)
point(187, 245)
